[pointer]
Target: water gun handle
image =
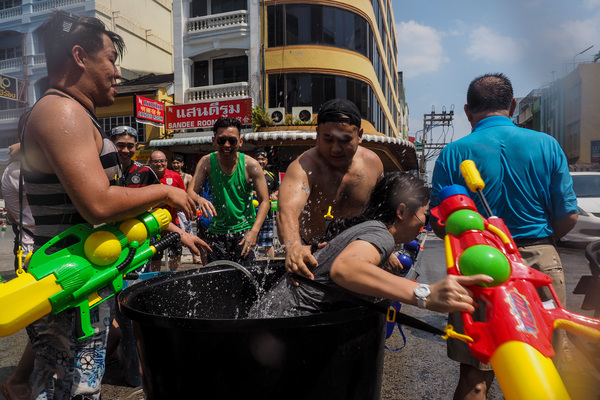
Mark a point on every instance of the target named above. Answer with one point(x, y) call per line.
point(475, 183)
point(328, 217)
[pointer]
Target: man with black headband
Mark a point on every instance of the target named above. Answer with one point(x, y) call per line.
point(333, 178)
point(71, 169)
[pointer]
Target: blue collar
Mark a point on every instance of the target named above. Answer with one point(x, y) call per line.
point(496, 120)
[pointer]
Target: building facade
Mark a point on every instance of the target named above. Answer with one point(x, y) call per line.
point(582, 119)
point(567, 109)
point(144, 24)
point(290, 57)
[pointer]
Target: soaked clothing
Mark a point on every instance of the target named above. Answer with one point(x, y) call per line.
point(265, 235)
point(66, 368)
point(226, 247)
point(285, 299)
point(52, 209)
point(232, 198)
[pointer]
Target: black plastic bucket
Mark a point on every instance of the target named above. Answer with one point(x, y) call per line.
point(194, 342)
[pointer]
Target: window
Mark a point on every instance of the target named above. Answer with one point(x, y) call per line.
point(224, 70)
point(230, 70)
point(201, 8)
point(107, 123)
point(305, 89)
point(4, 4)
point(291, 24)
point(7, 53)
point(201, 73)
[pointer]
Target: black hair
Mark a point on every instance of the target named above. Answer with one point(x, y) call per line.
point(489, 92)
point(227, 122)
point(62, 31)
point(392, 190)
point(177, 157)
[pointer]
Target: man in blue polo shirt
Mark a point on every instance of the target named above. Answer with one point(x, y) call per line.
point(527, 184)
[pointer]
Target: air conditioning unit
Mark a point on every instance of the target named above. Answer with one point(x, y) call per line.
point(304, 114)
point(277, 115)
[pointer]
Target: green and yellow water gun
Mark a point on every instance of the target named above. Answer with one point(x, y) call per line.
point(80, 268)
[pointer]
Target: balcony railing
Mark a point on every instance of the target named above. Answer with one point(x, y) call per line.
point(11, 63)
point(12, 114)
point(217, 21)
point(217, 92)
point(53, 4)
point(17, 63)
point(37, 7)
point(11, 12)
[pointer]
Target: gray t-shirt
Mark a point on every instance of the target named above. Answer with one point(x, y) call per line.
point(285, 299)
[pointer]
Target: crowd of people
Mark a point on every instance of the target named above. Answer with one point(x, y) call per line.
point(74, 173)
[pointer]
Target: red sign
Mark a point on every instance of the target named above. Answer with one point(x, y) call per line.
point(149, 109)
point(204, 115)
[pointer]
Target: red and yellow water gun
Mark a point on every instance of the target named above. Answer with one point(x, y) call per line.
point(516, 335)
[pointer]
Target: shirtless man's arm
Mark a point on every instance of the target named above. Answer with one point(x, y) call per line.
point(294, 192)
point(62, 140)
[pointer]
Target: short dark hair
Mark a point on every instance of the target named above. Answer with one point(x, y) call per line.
point(227, 122)
point(62, 31)
point(489, 92)
point(177, 157)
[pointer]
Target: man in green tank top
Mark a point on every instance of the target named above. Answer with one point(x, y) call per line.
point(232, 176)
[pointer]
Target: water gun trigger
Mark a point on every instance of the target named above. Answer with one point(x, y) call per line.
point(451, 333)
point(328, 216)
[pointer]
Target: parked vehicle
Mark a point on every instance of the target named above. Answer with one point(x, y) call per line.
point(587, 189)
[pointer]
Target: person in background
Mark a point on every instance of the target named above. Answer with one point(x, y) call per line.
point(357, 250)
point(265, 236)
point(177, 163)
point(232, 176)
point(135, 174)
point(527, 184)
point(71, 171)
point(17, 385)
point(167, 177)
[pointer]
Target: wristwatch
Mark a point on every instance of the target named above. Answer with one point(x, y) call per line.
point(421, 293)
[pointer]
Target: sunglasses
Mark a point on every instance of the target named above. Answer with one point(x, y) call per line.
point(121, 146)
point(222, 139)
point(124, 130)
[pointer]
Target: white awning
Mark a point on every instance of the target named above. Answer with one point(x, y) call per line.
point(272, 135)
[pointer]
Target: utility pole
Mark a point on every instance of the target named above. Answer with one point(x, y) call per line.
point(431, 121)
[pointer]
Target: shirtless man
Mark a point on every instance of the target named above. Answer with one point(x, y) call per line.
point(70, 171)
point(336, 173)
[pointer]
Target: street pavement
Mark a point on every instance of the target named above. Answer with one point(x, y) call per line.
point(421, 370)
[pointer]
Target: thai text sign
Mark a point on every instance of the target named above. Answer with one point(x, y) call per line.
point(8, 87)
point(204, 115)
point(149, 109)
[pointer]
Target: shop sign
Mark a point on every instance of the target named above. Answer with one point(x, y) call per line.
point(204, 115)
point(8, 87)
point(149, 110)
